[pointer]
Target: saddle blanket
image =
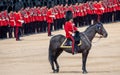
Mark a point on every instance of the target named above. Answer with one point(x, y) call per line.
point(67, 43)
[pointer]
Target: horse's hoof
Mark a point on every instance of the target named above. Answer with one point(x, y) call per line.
point(55, 71)
point(84, 72)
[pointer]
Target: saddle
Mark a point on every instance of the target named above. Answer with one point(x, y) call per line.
point(67, 43)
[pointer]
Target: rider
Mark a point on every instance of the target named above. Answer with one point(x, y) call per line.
point(70, 29)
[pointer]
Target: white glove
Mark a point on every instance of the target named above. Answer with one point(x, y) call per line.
point(73, 34)
point(22, 21)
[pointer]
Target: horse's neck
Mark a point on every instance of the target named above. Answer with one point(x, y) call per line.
point(90, 33)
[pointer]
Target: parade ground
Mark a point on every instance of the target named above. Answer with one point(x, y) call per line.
point(30, 56)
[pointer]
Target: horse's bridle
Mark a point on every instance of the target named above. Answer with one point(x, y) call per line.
point(100, 29)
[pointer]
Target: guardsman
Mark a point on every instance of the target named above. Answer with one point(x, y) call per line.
point(44, 18)
point(0, 26)
point(89, 12)
point(11, 24)
point(115, 6)
point(118, 10)
point(95, 16)
point(80, 14)
point(31, 20)
point(4, 24)
point(34, 14)
point(75, 8)
point(56, 18)
point(18, 22)
point(39, 19)
point(85, 13)
point(70, 29)
point(23, 24)
point(61, 15)
point(28, 26)
point(104, 16)
point(50, 20)
point(110, 10)
point(35, 10)
point(26, 22)
point(99, 10)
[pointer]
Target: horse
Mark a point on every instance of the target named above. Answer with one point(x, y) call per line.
point(86, 38)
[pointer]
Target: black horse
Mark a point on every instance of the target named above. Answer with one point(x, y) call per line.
point(86, 37)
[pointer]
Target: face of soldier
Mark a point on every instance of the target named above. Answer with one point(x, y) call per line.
point(71, 20)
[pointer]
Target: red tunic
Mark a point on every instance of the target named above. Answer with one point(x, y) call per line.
point(89, 9)
point(4, 22)
point(44, 13)
point(98, 7)
point(77, 10)
point(61, 12)
point(115, 5)
point(34, 15)
point(17, 19)
point(25, 17)
point(80, 13)
point(69, 27)
point(11, 19)
point(29, 16)
point(110, 6)
point(84, 9)
point(49, 16)
point(105, 5)
point(4, 19)
point(0, 20)
point(58, 13)
point(0, 23)
point(39, 16)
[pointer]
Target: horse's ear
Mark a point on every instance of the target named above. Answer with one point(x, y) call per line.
point(98, 26)
point(100, 23)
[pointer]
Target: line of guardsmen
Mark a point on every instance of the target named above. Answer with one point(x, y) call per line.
point(38, 19)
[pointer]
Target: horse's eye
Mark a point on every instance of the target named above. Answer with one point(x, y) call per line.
point(99, 28)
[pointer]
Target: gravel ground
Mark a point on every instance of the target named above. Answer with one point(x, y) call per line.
point(30, 56)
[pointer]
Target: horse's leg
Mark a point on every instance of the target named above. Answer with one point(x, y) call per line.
point(55, 60)
point(84, 59)
point(51, 60)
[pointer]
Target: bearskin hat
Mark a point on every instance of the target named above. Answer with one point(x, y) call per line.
point(69, 15)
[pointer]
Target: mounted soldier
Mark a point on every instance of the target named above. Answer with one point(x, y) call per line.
point(70, 29)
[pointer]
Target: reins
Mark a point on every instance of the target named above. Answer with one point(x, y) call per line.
point(86, 37)
point(99, 38)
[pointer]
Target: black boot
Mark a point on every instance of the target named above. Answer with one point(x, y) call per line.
point(76, 49)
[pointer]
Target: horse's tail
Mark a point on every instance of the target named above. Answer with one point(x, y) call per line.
point(53, 45)
point(50, 54)
point(54, 51)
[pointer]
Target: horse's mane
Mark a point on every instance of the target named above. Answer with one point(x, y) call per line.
point(93, 25)
point(90, 26)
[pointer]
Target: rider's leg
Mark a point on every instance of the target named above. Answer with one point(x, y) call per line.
point(73, 43)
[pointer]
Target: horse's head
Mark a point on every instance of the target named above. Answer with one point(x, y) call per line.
point(101, 30)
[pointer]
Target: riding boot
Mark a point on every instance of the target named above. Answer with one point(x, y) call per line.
point(76, 49)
